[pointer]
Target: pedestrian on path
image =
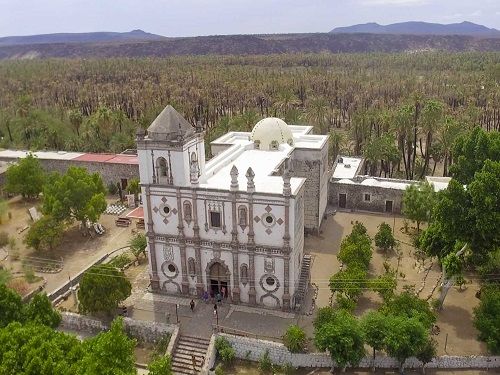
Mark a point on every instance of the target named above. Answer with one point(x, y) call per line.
point(223, 289)
point(215, 308)
point(191, 304)
point(205, 296)
point(219, 298)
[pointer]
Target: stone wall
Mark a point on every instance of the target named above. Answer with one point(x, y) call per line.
point(309, 169)
point(355, 197)
point(142, 330)
point(253, 349)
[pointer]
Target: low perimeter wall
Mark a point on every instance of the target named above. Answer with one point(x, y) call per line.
point(253, 349)
point(142, 330)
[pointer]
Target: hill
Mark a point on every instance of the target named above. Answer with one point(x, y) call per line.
point(421, 28)
point(254, 45)
point(95, 37)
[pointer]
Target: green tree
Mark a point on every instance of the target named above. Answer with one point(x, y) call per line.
point(406, 337)
point(138, 245)
point(76, 195)
point(487, 318)
point(374, 326)
point(40, 311)
point(11, 306)
point(295, 339)
point(45, 234)
point(384, 284)
point(384, 238)
point(418, 202)
point(427, 352)
point(355, 249)
point(350, 282)
point(109, 353)
point(342, 336)
point(26, 177)
point(408, 306)
point(161, 366)
point(134, 187)
point(102, 288)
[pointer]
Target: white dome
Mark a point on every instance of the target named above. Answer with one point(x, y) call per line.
point(271, 132)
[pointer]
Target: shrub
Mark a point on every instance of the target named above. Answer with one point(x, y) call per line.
point(288, 369)
point(384, 238)
point(29, 274)
point(265, 364)
point(112, 188)
point(120, 261)
point(295, 339)
point(219, 370)
point(161, 345)
point(225, 350)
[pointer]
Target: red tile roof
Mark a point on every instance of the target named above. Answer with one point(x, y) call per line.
point(109, 158)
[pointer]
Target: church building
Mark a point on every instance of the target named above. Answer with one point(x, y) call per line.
point(236, 221)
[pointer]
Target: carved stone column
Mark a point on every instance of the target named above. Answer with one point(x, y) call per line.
point(182, 244)
point(197, 245)
point(234, 236)
point(286, 239)
point(153, 276)
point(251, 238)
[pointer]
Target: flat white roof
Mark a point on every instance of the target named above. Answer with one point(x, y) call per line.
point(347, 168)
point(439, 183)
point(243, 155)
point(51, 155)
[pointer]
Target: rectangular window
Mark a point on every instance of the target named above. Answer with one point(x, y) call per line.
point(215, 221)
point(368, 197)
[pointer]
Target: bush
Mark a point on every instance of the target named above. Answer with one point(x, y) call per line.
point(225, 350)
point(265, 364)
point(29, 274)
point(112, 188)
point(161, 365)
point(161, 345)
point(384, 238)
point(4, 239)
point(295, 339)
point(288, 369)
point(219, 370)
point(120, 261)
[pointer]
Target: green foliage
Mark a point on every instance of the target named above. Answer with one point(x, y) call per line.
point(45, 234)
point(134, 187)
point(428, 351)
point(265, 364)
point(295, 339)
point(5, 276)
point(355, 249)
point(219, 370)
point(409, 306)
point(161, 366)
point(452, 264)
point(40, 311)
point(470, 152)
point(418, 202)
point(342, 336)
point(26, 177)
point(406, 337)
point(109, 353)
point(162, 345)
point(112, 188)
point(76, 195)
point(349, 282)
point(38, 350)
point(487, 318)
point(384, 238)
point(11, 306)
point(102, 288)
point(374, 325)
point(225, 350)
point(138, 245)
point(119, 261)
point(385, 284)
point(288, 369)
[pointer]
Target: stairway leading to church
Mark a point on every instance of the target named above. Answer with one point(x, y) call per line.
point(189, 355)
point(304, 278)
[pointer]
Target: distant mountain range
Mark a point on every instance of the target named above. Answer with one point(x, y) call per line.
point(95, 37)
point(420, 28)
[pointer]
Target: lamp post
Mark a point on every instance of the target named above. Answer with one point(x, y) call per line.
point(176, 312)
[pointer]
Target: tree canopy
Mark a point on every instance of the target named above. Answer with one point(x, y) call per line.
point(76, 195)
point(487, 318)
point(26, 177)
point(138, 245)
point(384, 238)
point(45, 234)
point(102, 288)
point(418, 202)
point(408, 305)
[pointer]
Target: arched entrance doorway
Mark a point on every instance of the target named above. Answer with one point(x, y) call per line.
point(218, 277)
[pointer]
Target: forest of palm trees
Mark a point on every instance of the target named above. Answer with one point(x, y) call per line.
point(402, 112)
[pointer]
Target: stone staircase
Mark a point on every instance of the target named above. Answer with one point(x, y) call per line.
point(304, 278)
point(189, 355)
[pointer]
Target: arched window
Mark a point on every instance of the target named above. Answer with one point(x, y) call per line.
point(274, 145)
point(244, 274)
point(188, 212)
point(242, 216)
point(191, 267)
point(161, 169)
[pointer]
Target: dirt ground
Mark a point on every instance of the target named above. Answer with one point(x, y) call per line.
point(75, 252)
point(454, 321)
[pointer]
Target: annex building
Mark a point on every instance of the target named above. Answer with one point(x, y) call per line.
point(236, 221)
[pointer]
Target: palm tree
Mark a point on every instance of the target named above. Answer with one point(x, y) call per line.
point(432, 117)
point(316, 113)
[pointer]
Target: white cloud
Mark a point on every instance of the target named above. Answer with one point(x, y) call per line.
point(395, 2)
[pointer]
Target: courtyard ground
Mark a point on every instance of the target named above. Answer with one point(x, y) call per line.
point(454, 321)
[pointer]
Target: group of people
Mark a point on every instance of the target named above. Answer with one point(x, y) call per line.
point(215, 298)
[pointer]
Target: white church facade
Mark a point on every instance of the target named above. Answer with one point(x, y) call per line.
point(235, 221)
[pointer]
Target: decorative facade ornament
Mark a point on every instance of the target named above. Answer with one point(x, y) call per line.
point(269, 265)
point(250, 184)
point(168, 253)
point(234, 178)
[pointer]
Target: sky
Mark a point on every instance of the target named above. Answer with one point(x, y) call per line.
point(215, 17)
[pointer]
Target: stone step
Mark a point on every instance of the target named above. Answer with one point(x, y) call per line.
point(188, 362)
point(183, 370)
point(182, 353)
point(195, 340)
point(190, 348)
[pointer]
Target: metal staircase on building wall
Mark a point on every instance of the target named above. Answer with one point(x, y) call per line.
point(304, 278)
point(189, 355)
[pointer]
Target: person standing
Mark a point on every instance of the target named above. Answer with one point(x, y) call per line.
point(191, 304)
point(218, 297)
point(223, 290)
